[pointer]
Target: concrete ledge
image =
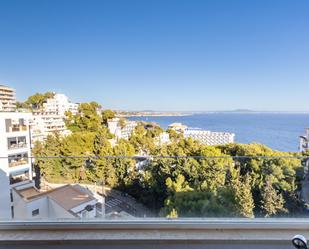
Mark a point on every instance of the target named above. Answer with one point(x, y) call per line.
point(155, 230)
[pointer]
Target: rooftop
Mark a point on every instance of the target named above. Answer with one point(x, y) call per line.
point(67, 196)
point(28, 192)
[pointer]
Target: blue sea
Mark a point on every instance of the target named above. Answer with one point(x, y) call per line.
point(280, 131)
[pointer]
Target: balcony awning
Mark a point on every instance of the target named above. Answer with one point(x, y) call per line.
point(19, 172)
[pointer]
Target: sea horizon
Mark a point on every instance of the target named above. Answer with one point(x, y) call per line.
point(279, 131)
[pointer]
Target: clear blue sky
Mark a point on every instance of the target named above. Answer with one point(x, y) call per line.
point(159, 55)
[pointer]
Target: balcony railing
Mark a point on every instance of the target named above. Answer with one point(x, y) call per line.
point(17, 128)
point(18, 161)
point(17, 146)
point(18, 179)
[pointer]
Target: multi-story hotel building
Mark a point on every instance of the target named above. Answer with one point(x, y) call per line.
point(59, 104)
point(121, 132)
point(7, 99)
point(51, 118)
point(15, 154)
point(45, 123)
point(209, 137)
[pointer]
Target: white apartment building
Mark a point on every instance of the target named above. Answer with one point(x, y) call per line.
point(68, 201)
point(45, 123)
point(59, 104)
point(51, 118)
point(209, 137)
point(7, 99)
point(128, 129)
point(15, 153)
point(164, 138)
point(304, 141)
point(121, 132)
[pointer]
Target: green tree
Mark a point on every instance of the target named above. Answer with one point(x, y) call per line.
point(243, 196)
point(87, 118)
point(37, 100)
point(272, 200)
point(107, 115)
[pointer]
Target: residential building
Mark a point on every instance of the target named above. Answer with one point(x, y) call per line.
point(209, 137)
point(163, 138)
point(304, 141)
point(121, 131)
point(179, 127)
point(60, 104)
point(127, 129)
point(68, 201)
point(114, 127)
point(7, 99)
point(50, 118)
point(45, 123)
point(15, 154)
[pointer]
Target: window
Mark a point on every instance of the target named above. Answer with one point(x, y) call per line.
point(18, 159)
point(35, 212)
point(13, 125)
point(16, 142)
point(19, 177)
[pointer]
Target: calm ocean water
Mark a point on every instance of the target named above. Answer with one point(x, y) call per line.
point(278, 131)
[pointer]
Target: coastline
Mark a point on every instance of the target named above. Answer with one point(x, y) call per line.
point(154, 115)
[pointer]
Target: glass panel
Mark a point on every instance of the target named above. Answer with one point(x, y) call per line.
point(120, 187)
point(15, 125)
point(19, 177)
point(17, 142)
point(18, 159)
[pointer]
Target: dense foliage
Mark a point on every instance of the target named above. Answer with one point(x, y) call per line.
point(35, 101)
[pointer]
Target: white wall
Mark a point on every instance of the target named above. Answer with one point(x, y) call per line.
point(81, 207)
point(23, 209)
point(5, 200)
point(56, 211)
point(4, 152)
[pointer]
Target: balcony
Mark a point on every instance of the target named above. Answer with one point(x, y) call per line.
point(18, 159)
point(210, 234)
point(19, 177)
point(17, 143)
point(17, 128)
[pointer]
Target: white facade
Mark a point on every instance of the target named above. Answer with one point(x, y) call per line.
point(63, 202)
point(209, 137)
point(7, 99)
point(128, 129)
point(51, 118)
point(5, 200)
point(59, 104)
point(47, 123)
point(304, 141)
point(164, 138)
point(121, 132)
point(15, 153)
